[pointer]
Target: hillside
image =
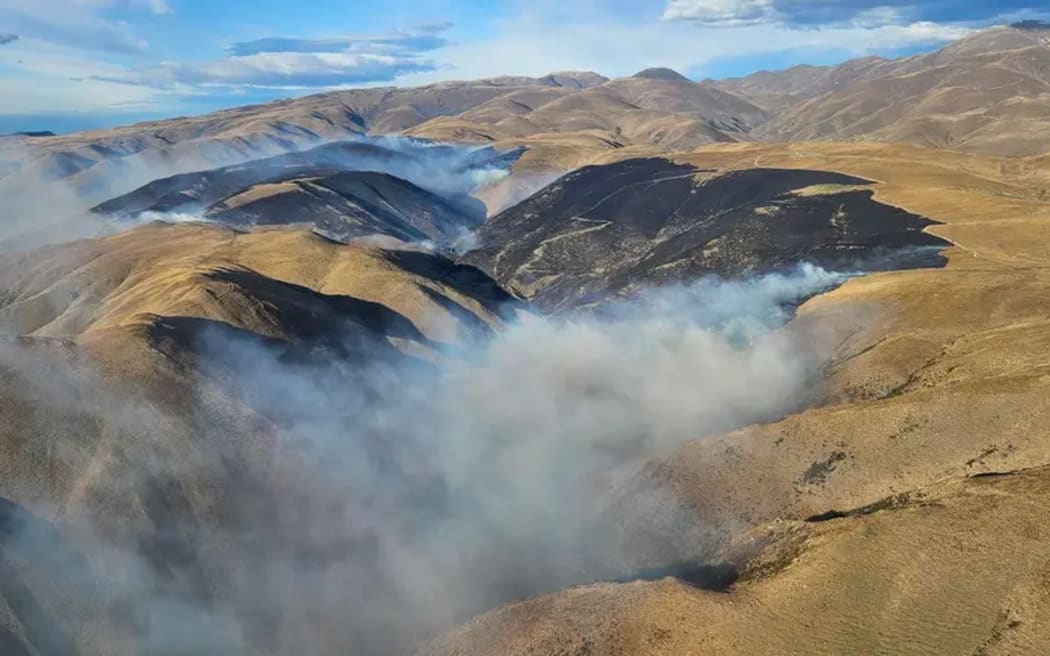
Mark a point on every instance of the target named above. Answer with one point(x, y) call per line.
point(558, 366)
point(609, 230)
point(983, 94)
point(345, 189)
point(986, 93)
point(103, 163)
point(834, 518)
point(157, 388)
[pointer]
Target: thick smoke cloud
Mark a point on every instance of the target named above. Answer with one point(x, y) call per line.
point(406, 494)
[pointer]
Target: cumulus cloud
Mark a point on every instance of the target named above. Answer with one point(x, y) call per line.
point(815, 13)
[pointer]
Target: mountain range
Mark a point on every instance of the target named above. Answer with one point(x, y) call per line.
point(539, 366)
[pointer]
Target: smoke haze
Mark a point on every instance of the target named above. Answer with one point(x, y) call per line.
point(41, 207)
point(404, 495)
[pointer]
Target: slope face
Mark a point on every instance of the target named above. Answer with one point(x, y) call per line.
point(104, 163)
point(986, 93)
point(606, 230)
point(345, 189)
point(808, 581)
point(776, 91)
point(919, 355)
point(179, 489)
point(663, 110)
point(178, 270)
point(661, 74)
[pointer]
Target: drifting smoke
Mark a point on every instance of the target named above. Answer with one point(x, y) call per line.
point(446, 169)
point(403, 496)
point(441, 210)
point(46, 196)
point(510, 191)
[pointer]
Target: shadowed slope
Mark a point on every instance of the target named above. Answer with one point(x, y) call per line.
point(140, 414)
point(346, 190)
point(610, 229)
point(938, 375)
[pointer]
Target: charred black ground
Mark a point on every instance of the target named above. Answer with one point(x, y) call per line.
point(604, 230)
point(345, 189)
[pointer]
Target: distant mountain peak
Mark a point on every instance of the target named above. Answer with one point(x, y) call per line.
point(578, 79)
point(662, 74)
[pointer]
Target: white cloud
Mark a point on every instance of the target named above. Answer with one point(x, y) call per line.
point(721, 12)
point(532, 44)
point(277, 70)
point(59, 95)
point(300, 63)
point(405, 42)
point(158, 6)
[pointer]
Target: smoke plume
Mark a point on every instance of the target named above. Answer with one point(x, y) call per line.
point(401, 495)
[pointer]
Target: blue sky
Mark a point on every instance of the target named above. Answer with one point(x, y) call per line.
point(73, 64)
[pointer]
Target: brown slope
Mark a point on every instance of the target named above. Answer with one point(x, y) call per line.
point(986, 93)
point(938, 375)
point(129, 424)
point(667, 111)
point(778, 90)
point(104, 163)
point(888, 582)
point(166, 269)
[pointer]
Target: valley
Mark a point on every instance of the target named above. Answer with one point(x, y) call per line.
point(538, 366)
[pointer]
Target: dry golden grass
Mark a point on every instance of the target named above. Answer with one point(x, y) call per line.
point(961, 568)
point(165, 270)
point(937, 375)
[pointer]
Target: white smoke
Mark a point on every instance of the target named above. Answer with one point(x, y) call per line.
point(36, 208)
point(427, 493)
point(171, 217)
point(430, 491)
point(487, 477)
point(453, 171)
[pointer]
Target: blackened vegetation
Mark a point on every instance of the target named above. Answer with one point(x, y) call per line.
point(818, 472)
point(889, 503)
point(345, 189)
point(716, 577)
point(345, 205)
point(604, 230)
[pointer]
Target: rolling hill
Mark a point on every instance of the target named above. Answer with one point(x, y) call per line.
point(986, 93)
point(752, 366)
point(345, 189)
point(610, 230)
